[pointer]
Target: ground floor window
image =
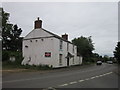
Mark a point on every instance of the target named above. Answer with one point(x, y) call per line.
point(73, 60)
point(60, 59)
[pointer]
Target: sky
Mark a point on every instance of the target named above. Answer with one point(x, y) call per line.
point(96, 19)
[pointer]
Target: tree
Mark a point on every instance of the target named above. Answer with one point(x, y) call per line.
point(11, 40)
point(117, 52)
point(10, 34)
point(84, 46)
point(15, 39)
point(106, 58)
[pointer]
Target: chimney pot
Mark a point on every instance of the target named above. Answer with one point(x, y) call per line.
point(38, 23)
point(65, 36)
point(38, 18)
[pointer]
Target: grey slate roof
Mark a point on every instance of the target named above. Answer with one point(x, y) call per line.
point(53, 35)
point(56, 36)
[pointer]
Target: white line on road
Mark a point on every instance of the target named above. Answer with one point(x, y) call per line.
point(97, 76)
point(81, 80)
point(87, 79)
point(92, 77)
point(74, 82)
point(63, 85)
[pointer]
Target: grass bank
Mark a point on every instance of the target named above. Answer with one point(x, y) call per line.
point(8, 65)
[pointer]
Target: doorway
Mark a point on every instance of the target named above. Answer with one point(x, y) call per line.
point(68, 61)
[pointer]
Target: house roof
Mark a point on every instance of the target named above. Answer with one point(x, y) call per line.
point(57, 36)
point(53, 35)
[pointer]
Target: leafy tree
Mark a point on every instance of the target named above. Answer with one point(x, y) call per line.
point(96, 57)
point(84, 46)
point(106, 58)
point(11, 40)
point(10, 34)
point(15, 39)
point(117, 52)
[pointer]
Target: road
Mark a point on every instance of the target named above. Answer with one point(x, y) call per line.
point(92, 76)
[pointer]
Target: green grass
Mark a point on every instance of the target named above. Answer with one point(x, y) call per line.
point(15, 65)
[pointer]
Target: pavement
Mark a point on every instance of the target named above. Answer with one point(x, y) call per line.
point(92, 76)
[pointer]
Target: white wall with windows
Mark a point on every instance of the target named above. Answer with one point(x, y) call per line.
point(40, 47)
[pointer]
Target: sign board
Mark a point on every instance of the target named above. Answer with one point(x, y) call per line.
point(47, 54)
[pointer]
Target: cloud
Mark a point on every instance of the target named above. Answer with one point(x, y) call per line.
point(95, 19)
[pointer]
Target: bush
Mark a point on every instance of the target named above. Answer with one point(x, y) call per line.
point(5, 56)
point(17, 63)
point(35, 67)
point(9, 64)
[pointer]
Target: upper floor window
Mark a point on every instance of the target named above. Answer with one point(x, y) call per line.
point(26, 46)
point(61, 44)
point(67, 46)
point(73, 49)
point(30, 40)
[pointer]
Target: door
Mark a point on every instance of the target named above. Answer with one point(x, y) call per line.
point(68, 61)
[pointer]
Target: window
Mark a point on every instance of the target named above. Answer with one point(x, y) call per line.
point(67, 46)
point(42, 39)
point(73, 48)
point(60, 59)
point(61, 44)
point(26, 46)
point(47, 54)
point(73, 60)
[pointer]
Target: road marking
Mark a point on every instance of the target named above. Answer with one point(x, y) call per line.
point(73, 82)
point(87, 79)
point(92, 77)
point(101, 75)
point(81, 80)
point(109, 73)
point(97, 76)
point(63, 85)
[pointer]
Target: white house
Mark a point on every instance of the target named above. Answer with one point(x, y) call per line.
point(42, 47)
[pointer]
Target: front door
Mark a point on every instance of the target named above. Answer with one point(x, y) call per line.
point(68, 61)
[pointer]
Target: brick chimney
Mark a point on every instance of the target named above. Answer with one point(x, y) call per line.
point(38, 24)
point(65, 36)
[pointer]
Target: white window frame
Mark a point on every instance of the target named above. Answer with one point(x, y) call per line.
point(61, 44)
point(60, 59)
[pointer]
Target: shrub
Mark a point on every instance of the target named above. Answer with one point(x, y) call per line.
point(5, 56)
point(39, 67)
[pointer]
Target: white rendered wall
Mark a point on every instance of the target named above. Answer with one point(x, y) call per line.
point(37, 48)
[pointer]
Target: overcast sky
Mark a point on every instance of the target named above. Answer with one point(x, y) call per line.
point(96, 19)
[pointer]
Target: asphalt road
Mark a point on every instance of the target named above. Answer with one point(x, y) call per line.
point(92, 76)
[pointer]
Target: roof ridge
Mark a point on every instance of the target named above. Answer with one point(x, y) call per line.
point(57, 36)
